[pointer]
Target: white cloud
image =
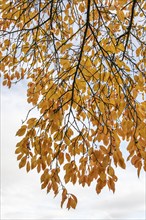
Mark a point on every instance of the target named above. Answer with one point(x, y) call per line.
point(21, 194)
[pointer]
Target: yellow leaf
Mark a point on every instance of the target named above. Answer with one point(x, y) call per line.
point(111, 184)
point(22, 162)
point(71, 21)
point(18, 150)
point(44, 184)
point(58, 136)
point(120, 15)
point(31, 122)
point(105, 139)
point(64, 197)
point(102, 107)
point(103, 149)
point(111, 48)
point(4, 82)
point(68, 157)
point(38, 168)
point(61, 158)
point(19, 156)
point(139, 168)
point(135, 159)
point(74, 198)
point(138, 51)
point(68, 203)
point(66, 178)
point(73, 203)
point(111, 171)
point(119, 62)
point(67, 141)
point(88, 63)
point(121, 163)
point(106, 76)
point(33, 163)
point(21, 131)
point(121, 47)
point(28, 166)
point(103, 176)
point(115, 157)
point(7, 42)
point(81, 7)
point(127, 68)
point(66, 47)
point(69, 132)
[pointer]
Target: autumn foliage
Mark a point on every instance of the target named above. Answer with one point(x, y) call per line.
point(85, 68)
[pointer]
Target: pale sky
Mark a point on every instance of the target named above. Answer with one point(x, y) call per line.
point(21, 194)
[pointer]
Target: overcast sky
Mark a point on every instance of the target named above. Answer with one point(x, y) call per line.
point(22, 198)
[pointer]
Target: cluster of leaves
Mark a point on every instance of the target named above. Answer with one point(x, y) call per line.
point(84, 62)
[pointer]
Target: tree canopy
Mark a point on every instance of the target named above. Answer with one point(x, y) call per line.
point(84, 62)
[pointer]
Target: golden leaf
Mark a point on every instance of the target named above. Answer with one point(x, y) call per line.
point(21, 131)
point(28, 166)
point(111, 184)
point(65, 47)
point(64, 196)
point(22, 162)
point(18, 150)
point(81, 7)
point(31, 122)
point(7, 42)
point(111, 171)
point(120, 15)
point(106, 76)
point(103, 176)
point(68, 157)
point(61, 158)
point(121, 47)
point(72, 202)
point(19, 156)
